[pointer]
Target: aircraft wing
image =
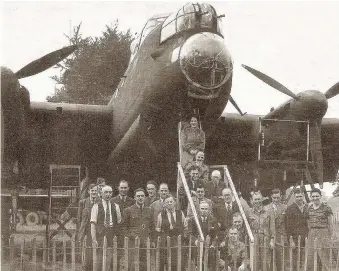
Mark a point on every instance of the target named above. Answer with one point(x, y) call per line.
point(69, 134)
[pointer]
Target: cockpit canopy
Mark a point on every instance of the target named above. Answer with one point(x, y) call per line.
point(191, 16)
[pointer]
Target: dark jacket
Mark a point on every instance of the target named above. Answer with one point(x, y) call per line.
point(209, 228)
point(295, 222)
point(213, 191)
point(137, 222)
point(224, 217)
point(123, 204)
point(178, 227)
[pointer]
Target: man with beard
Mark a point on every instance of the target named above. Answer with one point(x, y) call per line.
point(296, 225)
point(138, 222)
point(259, 220)
point(151, 188)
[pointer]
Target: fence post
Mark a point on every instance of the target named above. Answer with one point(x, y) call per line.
point(201, 251)
point(157, 255)
point(148, 254)
point(330, 263)
point(34, 253)
point(44, 252)
point(73, 252)
point(104, 254)
point(190, 253)
point(207, 247)
point(274, 256)
point(169, 255)
point(22, 255)
point(337, 265)
point(126, 240)
point(299, 254)
point(53, 256)
point(252, 258)
point(95, 259)
point(306, 253)
point(115, 254)
point(136, 254)
point(283, 252)
point(217, 259)
point(291, 253)
point(84, 253)
point(64, 248)
point(265, 254)
point(179, 251)
point(315, 255)
point(11, 253)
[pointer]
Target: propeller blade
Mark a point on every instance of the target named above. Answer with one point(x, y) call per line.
point(316, 151)
point(333, 91)
point(233, 102)
point(270, 81)
point(45, 62)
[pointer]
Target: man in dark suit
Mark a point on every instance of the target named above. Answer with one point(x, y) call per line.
point(209, 227)
point(83, 218)
point(296, 224)
point(138, 222)
point(224, 209)
point(122, 199)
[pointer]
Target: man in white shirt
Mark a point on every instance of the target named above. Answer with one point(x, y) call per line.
point(105, 219)
point(159, 205)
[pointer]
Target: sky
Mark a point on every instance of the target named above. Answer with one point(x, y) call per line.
point(296, 43)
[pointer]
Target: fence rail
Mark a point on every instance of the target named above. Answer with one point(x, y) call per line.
point(176, 253)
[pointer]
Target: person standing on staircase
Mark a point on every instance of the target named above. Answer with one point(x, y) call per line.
point(192, 140)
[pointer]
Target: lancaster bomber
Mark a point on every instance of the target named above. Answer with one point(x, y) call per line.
point(179, 63)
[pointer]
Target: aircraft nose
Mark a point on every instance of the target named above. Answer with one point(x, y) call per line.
point(206, 63)
point(316, 103)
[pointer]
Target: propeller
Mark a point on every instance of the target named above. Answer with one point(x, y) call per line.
point(45, 62)
point(270, 81)
point(315, 125)
point(233, 102)
point(333, 91)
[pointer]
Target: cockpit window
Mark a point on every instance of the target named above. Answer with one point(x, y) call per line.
point(191, 16)
point(152, 23)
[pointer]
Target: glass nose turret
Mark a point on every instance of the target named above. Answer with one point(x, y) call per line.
point(206, 64)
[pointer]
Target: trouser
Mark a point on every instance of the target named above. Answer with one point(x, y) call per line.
point(281, 255)
point(109, 233)
point(322, 249)
point(88, 254)
point(262, 250)
point(295, 253)
point(133, 260)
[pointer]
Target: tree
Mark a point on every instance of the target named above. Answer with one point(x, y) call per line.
point(94, 71)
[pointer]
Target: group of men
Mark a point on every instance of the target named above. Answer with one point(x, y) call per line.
point(161, 214)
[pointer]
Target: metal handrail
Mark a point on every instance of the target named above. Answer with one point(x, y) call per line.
point(241, 209)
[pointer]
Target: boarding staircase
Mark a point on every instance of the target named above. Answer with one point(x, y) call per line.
point(182, 182)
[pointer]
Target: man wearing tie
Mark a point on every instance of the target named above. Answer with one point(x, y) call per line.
point(105, 218)
point(138, 222)
point(170, 222)
point(200, 197)
point(122, 199)
point(192, 182)
point(224, 209)
point(214, 187)
point(158, 206)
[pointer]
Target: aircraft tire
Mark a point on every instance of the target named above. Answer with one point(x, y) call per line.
point(32, 219)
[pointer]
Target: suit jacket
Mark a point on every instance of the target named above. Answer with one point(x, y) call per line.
point(277, 217)
point(210, 227)
point(213, 191)
point(123, 204)
point(138, 223)
point(224, 217)
point(84, 216)
point(197, 207)
point(295, 222)
point(156, 209)
point(149, 201)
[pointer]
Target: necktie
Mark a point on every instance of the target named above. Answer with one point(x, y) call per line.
point(107, 218)
point(172, 219)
